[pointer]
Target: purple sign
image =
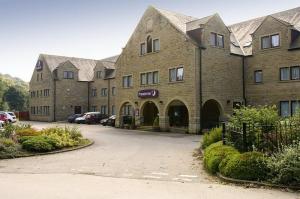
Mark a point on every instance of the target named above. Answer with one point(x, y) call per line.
point(148, 93)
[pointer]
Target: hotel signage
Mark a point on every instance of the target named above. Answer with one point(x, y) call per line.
point(148, 93)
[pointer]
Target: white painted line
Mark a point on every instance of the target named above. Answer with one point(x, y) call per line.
point(189, 176)
point(154, 177)
point(159, 173)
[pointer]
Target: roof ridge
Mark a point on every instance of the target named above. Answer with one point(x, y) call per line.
point(256, 18)
point(60, 56)
point(174, 12)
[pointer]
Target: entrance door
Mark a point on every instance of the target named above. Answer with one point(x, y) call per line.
point(77, 110)
point(150, 112)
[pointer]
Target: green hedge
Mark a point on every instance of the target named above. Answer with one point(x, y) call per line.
point(214, 154)
point(39, 144)
point(211, 137)
point(246, 166)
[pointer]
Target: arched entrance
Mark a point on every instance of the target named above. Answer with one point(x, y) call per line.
point(126, 114)
point(178, 114)
point(211, 112)
point(149, 112)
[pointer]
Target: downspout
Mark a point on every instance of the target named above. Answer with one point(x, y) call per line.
point(244, 83)
point(54, 100)
point(89, 84)
point(108, 97)
point(200, 88)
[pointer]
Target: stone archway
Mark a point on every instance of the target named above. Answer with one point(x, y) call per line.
point(149, 112)
point(178, 114)
point(126, 114)
point(211, 113)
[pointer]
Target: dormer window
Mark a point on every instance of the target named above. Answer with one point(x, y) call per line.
point(216, 40)
point(149, 44)
point(270, 41)
point(68, 75)
point(98, 74)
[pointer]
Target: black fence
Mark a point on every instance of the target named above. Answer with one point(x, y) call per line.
point(264, 138)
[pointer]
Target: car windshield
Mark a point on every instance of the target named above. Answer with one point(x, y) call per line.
point(12, 114)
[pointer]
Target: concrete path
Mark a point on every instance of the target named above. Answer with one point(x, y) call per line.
point(121, 164)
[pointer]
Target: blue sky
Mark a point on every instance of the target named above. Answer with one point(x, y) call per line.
point(96, 28)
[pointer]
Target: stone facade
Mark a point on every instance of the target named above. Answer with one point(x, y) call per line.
point(186, 72)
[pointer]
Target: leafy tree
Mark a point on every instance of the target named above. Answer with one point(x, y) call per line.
point(15, 98)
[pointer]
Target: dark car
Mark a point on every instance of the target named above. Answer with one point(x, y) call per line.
point(93, 117)
point(71, 118)
point(110, 121)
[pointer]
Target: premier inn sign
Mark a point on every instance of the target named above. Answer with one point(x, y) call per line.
point(148, 93)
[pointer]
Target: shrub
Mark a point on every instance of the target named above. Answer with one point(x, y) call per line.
point(214, 154)
point(7, 142)
point(39, 144)
point(285, 166)
point(8, 131)
point(211, 137)
point(27, 132)
point(24, 138)
point(246, 166)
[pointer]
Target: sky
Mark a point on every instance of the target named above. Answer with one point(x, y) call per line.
point(97, 29)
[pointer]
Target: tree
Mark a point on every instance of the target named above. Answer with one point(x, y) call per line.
point(15, 98)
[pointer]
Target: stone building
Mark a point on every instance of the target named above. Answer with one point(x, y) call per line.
point(61, 86)
point(189, 73)
point(192, 72)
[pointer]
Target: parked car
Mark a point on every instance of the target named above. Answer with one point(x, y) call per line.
point(11, 117)
point(110, 121)
point(94, 117)
point(72, 118)
point(3, 117)
point(81, 119)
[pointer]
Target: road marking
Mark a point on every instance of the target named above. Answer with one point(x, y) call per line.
point(160, 173)
point(154, 177)
point(189, 176)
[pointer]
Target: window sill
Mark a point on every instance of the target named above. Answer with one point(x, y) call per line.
point(289, 81)
point(272, 48)
point(218, 47)
point(127, 87)
point(149, 85)
point(182, 81)
point(149, 53)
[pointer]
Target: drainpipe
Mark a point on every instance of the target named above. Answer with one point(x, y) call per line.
point(244, 83)
point(54, 100)
point(108, 96)
point(200, 89)
point(89, 85)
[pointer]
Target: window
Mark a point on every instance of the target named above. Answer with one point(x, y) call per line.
point(143, 49)
point(68, 75)
point(216, 40)
point(149, 44)
point(295, 72)
point(295, 105)
point(258, 76)
point(94, 92)
point(113, 110)
point(113, 91)
point(176, 74)
point(156, 45)
point(98, 74)
point(37, 93)
point(103, 110)
point(127, 110)
point(149, 78)
point(104, 92)
point(284, 73)
point(46, 92)
point(94, 108)
point(46, 110)
point(155, 77)
point(41, 93)
point(270, 41)
point(275, 40)
point(127, 81)
point(41, 76)
point(220, 41)
point(284, 109)
point(37, 77)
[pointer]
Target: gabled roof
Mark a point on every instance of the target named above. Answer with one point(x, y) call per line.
point(85, 66)
point(109, 65)
point(243, 30)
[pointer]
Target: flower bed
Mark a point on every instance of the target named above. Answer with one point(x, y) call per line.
point(23, 140)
